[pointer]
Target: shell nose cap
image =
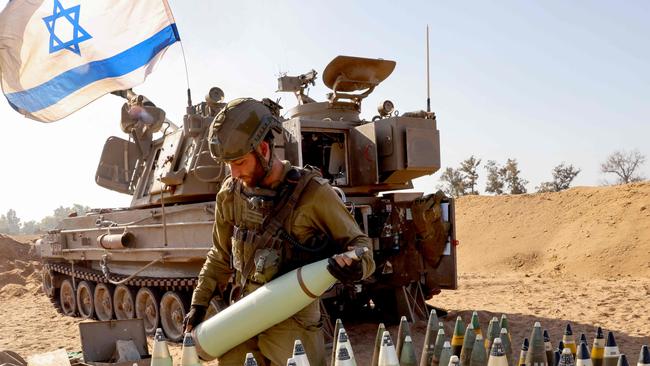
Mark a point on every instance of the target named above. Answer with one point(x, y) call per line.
point(622, 360)
point(188, 341)
point(159, 335)
point(644, 356)
point(583, 352)
point(568, 330)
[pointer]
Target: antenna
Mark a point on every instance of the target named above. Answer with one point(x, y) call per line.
point(187, 75)
point(428, 85)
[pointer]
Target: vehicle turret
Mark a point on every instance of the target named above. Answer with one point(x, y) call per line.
point(177, 167)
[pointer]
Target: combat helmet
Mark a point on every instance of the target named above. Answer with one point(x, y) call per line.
point(239, 128)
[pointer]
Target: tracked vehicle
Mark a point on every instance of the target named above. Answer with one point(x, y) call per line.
point(142, 261)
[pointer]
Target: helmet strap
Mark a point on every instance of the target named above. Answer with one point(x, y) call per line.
point(266, 166)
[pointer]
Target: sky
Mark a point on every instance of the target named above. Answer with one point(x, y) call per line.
point(543, 82)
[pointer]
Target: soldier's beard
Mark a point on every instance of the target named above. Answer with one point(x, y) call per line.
point(254, 178)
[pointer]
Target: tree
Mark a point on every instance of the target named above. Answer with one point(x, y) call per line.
point(624, 165)
point(60, 213)
point(563, 175)
point(516, 185)
point(10, 223)
point(4, 227)
point(468, 168)
point(452, 182)
point(495, 178)
point(30, 227)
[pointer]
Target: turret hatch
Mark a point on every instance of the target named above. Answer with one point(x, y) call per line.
point(347, 74)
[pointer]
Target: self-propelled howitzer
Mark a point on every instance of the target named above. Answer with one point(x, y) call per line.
point(142, 261)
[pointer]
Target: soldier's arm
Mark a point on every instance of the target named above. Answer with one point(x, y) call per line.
point(330, 216)
point(216, 270)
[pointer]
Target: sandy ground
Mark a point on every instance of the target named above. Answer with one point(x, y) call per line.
point(581, 256)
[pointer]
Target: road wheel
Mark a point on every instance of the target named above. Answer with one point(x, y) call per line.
point(104, 301)
point(215, 306)
point(124, 302)
point(48, 283)
point(85, 294)
point(146, 308)
point(67, 298)
point(172, 313)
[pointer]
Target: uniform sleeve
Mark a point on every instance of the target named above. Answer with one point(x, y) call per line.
point(216, 269)
point(328, 213)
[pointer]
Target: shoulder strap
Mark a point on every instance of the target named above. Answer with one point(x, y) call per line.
point(237, 210)
point(288, 203)
point(278, 217)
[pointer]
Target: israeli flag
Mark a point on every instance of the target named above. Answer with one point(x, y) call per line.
point(56, 56)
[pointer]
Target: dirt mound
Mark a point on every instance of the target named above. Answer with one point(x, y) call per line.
point(19, 265)
point(587, 232)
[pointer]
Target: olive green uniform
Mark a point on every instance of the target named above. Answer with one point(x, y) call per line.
point(317, 210)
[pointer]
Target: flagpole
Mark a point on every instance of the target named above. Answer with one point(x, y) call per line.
point(187, 74)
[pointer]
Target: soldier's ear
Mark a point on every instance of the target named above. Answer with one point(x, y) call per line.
point(265, 149)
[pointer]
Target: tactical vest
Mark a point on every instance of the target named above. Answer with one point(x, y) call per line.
point(261, 245)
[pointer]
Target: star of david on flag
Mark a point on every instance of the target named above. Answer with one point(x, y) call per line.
point(56, 56)
point(78, 33)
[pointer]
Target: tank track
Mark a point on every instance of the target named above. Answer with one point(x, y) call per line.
point(54, 300)
point(177, 293)
point(175, 284)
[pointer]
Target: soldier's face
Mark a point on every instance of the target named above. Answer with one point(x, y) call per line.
point(247, 169)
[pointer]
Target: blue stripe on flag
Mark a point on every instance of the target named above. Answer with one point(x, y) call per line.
point(59, 87)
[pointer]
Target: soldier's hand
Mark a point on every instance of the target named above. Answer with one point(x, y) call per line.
point(194, 317)
point(345, 269)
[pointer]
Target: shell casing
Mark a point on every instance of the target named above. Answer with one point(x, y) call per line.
point(408, 357)
point(375, 353)
point(536, 355)
point(387, 353)
point(402, 332)
point(479, 355)
point(468, 345)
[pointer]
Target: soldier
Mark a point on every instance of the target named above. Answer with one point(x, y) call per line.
point(270, 218)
